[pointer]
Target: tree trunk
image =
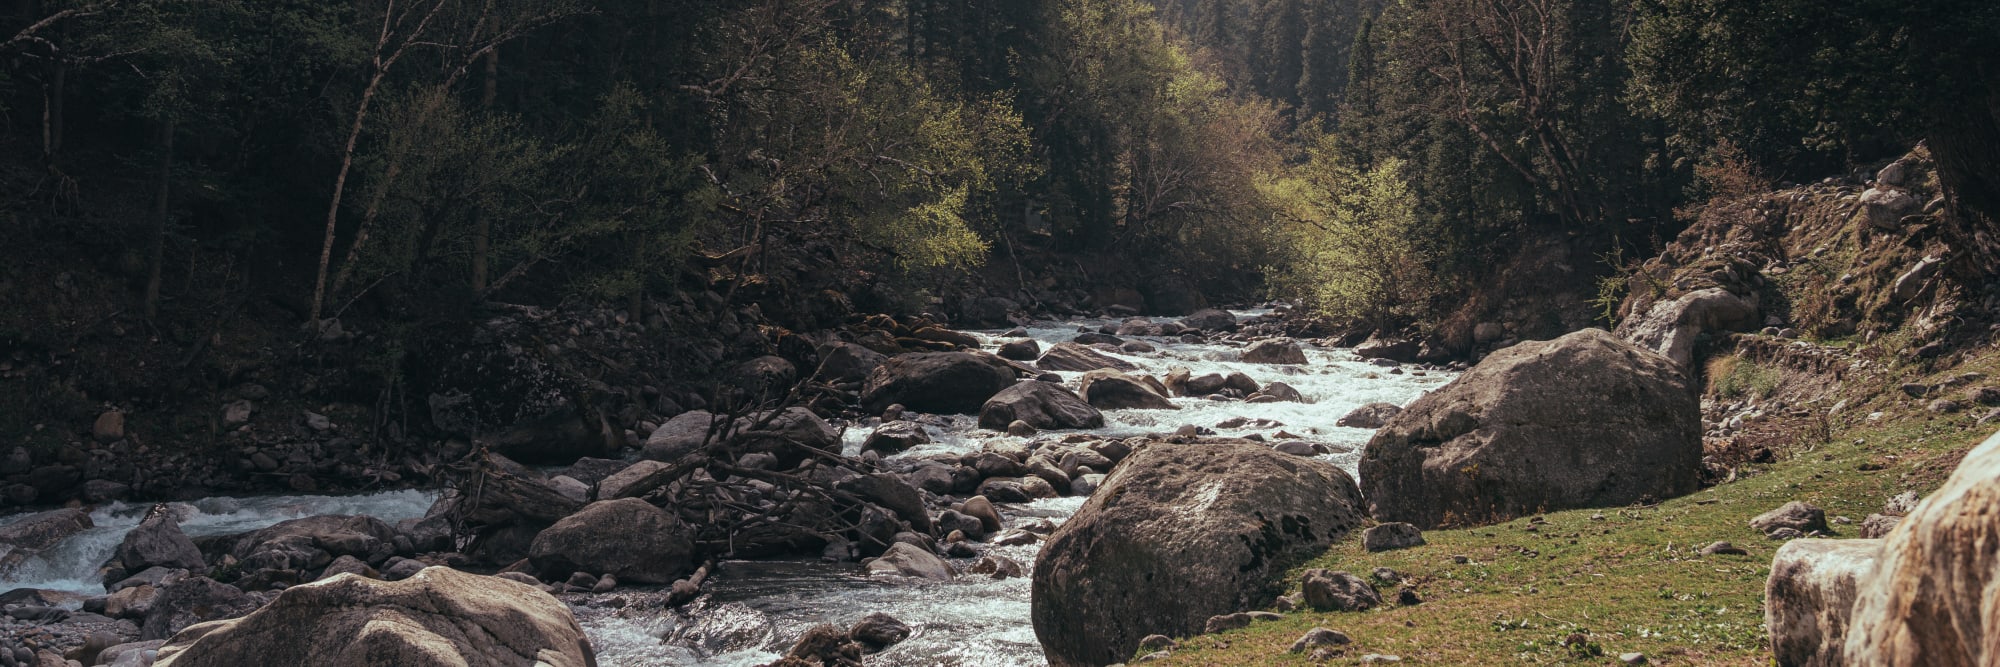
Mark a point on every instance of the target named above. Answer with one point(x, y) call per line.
point(1965, 141)
point(52, 111)
point(164, 189)
point(482, 238)
point(340, 188)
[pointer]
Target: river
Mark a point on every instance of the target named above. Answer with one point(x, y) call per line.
point(754, 610)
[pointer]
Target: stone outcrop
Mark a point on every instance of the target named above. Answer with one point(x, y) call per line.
point(937, 382)
point(1672, 328)
point(1934, 597)
point(1179, 533)
point(440, 617)
point(1077, 358)
point(1111, 390)
point(1040, 404)
point(1586, 420)
point(1274, 351)
point(1809, 598)
point(628, 538)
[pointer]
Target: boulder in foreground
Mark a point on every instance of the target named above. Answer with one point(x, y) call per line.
point(1585, 420)
point(1809, 598)
point(1934, 597)
point(440, 617)
point(1179, 533)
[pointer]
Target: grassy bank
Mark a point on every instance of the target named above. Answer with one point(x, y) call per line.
point(1588, 585)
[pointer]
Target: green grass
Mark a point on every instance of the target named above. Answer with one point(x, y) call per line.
point(1627, 579)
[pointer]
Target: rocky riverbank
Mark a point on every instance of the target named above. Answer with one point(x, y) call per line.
point(707, 485)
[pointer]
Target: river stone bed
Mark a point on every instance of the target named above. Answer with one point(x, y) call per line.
point(753, 611)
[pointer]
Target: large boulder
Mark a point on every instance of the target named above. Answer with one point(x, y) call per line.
point(1372, 415)
point(42, 530)
point(156, 541)
point(1042, 405)
point(1934, 597)
point(1809, 598)
point(1585, 420)
point(1112, 390)
point(1393, 349)
point(937, 382)
point(1210, 320)
point(191, 601)
point(1673, 327)
point(35, 532)
point(1077, 358)
point(1274, 351)
point(903, 559)
point(628, 538)
point(437, 618)
point(841, 361)
point(1179, 533)
point(775, 434)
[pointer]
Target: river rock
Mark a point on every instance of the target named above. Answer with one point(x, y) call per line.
point(1672, 327)
point(1279, 391)
point(437, 618)
point(1390, 348)
point(907, 560)
point(847, 362)
point(1809, 598)
point(157, 542)
point(896, 436)
point(634, 481)
point(1041, 405)
point(937, 382)
point(1274, 351)
point(1372, 415)
point(680, 436)
point(1025, 349)
point(879, 631)
point(190, 601)
point(1585, 420)
point(979, 507)
point(892, 493)
point(1210, 319)
point(1179, 533)
point(779, 435)
point(1934, 597)
point(1112, 390)
point(628, 538)
point(39, 531)
point(109, 427)
point(1077, 358)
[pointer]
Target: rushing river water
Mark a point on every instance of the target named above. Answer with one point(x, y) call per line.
point(755, 610)
point(758, 609)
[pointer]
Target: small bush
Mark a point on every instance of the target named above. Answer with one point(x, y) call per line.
point(1734, 377)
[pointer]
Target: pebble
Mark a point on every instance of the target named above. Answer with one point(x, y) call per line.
point(1318, 637)
point(1378, 658)
point(1723, 548)
point(1632, 658)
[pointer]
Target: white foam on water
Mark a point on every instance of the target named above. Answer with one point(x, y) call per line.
point(757, 610)
point(72, 564)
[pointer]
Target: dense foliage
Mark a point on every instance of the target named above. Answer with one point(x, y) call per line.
point(1375, 158)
